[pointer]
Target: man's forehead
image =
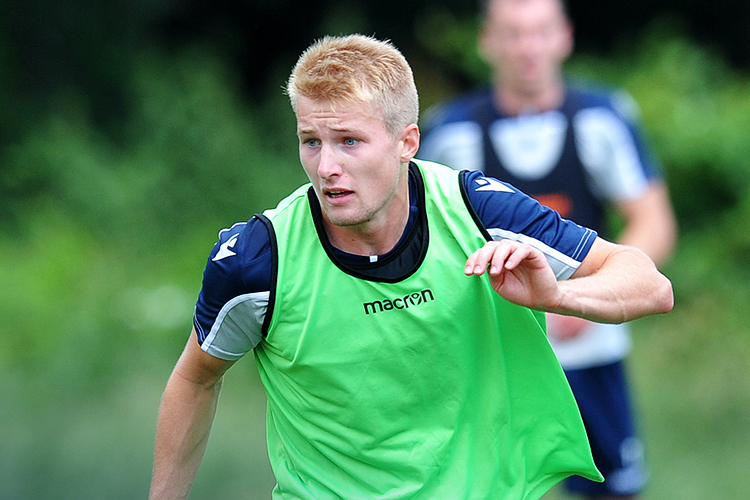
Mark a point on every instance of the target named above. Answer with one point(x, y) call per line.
point(499, 9)
point(335, 106)
point(334, 115)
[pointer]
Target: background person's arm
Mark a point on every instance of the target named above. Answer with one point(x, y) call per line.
point(650, 223)
point(185, 417)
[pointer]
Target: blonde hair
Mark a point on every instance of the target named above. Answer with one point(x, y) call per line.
point(357, 68)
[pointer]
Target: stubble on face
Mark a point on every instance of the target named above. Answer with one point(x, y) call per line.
point(354, 165)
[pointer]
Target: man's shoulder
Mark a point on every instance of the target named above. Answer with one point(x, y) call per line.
point(295, 197)
point(240, 243)
point(461, 108)
point(586, 95)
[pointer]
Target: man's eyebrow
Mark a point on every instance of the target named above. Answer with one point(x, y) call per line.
point(338, 129)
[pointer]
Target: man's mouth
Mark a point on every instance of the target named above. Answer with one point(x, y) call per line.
point(336, 193)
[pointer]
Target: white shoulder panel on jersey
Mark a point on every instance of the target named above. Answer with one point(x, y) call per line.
point(561, 264)
point(457, 145)
point(609, 153)
point(238, 327)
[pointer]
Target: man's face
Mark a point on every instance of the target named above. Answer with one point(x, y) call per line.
point(357, 168)
point(526, 42)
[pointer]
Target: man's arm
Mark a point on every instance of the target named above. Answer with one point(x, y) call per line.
point(650, 223)
point(614, 284)
point(185, 418)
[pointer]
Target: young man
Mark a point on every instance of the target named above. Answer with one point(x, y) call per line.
point(387, 304)
point(575, 151)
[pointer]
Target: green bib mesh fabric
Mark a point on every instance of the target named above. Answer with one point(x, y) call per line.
point(433, 387)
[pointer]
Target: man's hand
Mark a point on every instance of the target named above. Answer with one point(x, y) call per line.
point(518, 272)
point(565, 327)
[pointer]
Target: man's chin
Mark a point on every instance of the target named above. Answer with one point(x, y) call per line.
point(343, 220)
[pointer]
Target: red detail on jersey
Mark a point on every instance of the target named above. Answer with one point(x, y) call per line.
point(559, 202)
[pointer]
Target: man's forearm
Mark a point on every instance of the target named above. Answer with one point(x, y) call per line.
point(185, 418)
point(627, 286)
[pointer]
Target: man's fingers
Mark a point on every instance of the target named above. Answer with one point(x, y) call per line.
point(472, 266)
point(478, 261)
point(494, 254)
point(518, 254)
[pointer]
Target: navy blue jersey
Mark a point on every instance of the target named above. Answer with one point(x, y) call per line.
point(237, 280)
point(575, 159)
point(578, 159)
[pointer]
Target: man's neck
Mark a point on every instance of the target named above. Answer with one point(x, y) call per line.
point(513, 102)
point(367, 240)
point(376, 237)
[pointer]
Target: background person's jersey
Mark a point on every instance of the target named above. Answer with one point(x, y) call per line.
point(575, 159)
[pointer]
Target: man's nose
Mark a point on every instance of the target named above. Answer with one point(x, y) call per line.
point(330, 161)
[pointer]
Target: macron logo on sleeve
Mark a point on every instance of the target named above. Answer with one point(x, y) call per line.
point(224, 249)
point(488, 184)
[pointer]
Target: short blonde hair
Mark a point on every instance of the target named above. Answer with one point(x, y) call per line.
point(358, 68)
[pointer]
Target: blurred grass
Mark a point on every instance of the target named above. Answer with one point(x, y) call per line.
point(103, 241)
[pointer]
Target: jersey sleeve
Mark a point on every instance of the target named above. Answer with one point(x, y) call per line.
point(457, 144)
point(508, 213)
point(613, 148)
point(233, 300)
point(451, 134)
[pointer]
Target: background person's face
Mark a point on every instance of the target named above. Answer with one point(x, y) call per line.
point(526, 42)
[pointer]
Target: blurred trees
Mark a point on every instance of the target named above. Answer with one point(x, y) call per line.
point(81, 70)
point(45, 47)
point(131, 131)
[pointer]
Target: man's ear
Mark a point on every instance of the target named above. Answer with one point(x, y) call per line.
point(409, 141)
point(483, 44)
point(569, 43)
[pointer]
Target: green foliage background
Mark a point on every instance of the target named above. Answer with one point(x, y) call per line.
point(104, 232)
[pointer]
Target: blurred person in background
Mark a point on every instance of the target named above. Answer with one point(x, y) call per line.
point(579, 151)
point(388, 304)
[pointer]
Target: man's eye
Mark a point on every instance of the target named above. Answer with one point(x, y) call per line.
point(310, 142)
point(350, 141)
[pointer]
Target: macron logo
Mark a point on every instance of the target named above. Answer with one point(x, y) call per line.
point(224, 249)
point(488, 184)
